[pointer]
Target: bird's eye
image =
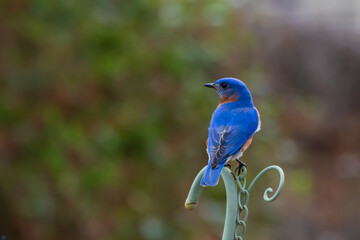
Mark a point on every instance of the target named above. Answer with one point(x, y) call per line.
point(224, 85)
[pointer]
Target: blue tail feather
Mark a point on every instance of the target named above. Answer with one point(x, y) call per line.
point(211, 176)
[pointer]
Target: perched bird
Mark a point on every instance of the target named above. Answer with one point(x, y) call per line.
point(232, 127)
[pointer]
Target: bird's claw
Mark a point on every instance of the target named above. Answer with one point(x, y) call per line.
point(241, 165)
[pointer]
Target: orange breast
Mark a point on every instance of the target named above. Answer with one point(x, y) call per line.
point(246, 144)
point(228, 99)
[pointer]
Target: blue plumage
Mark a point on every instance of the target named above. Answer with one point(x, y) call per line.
point(233, 123)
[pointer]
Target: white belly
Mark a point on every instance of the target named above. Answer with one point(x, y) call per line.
point(236, 156)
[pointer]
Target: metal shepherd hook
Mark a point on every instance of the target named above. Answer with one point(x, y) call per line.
point(236, 200)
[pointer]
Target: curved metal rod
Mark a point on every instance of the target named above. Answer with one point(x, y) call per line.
point(270, 190)
point(231, 197)
point(195, 192)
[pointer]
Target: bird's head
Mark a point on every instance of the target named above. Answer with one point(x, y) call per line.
point(231, 90)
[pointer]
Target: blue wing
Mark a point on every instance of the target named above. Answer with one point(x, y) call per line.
point(228, 131)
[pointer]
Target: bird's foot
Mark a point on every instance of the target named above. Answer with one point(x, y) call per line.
point(228, 165)
point(241, 165)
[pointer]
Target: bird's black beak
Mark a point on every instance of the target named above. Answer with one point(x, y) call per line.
point(209, 85)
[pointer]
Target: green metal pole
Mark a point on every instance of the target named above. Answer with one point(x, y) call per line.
point(237, 198)
point(231, 204)
point(231, 200)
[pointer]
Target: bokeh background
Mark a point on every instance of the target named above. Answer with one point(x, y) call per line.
point(103, 116)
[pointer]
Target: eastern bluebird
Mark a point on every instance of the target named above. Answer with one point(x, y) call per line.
point(232, 127)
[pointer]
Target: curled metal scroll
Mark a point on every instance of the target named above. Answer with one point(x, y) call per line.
point(270, 190)
point(237, 198)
